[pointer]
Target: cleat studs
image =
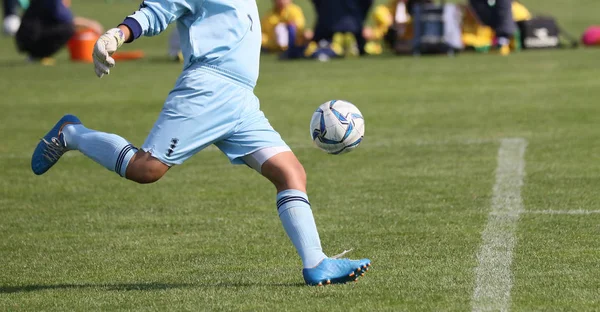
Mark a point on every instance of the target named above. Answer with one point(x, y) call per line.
point(367, 269)
point(356, 280)
point(369, 264)
point(328, 282)
point(362, 274)
point(351, 274)
point(320, 284)
point(358, 270)
point(364, 266)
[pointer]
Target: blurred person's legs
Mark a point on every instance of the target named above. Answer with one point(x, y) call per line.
point(361, 42)
point(340, 26)
point(10, 17)
point(325, 48)
point(289, 36)
point(42, 41)
point(52, 39)
point(9, 7)
point(483, 11)
point(335, 45)
point(287, 41)
point(175, 46)
point(498, 15)
point(504, 24)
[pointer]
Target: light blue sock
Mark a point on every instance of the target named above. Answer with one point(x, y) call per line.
point(299, 224)
point(110, 150)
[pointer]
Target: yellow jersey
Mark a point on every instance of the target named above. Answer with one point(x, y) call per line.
point(291, 14)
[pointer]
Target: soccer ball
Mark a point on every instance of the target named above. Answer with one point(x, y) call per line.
point(337, 127)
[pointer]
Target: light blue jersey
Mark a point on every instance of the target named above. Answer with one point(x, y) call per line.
point(223, 35)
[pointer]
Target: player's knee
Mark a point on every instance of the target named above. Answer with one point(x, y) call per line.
point(146, 169)
point(297, 172)
point(293, 177)
point(149, 175)
point(285, 172)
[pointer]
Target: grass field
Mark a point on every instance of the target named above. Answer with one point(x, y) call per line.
point(433, 196)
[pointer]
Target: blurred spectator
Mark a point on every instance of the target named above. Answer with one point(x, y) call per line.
point(175, 47)
point(46, 27)
point(11, 19)
point(479, 36)
point(393, 16)
point(498, 15)
point(283, 29)
point(340, 22)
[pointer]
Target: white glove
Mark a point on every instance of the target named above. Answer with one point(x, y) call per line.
point(106, 45)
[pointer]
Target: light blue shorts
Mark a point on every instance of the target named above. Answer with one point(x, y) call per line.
point(206, 108)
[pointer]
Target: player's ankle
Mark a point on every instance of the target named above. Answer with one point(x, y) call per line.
point(69, 132)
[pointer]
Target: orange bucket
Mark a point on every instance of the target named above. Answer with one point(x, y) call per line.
point(81, 45)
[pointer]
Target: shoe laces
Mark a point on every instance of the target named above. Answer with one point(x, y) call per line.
point(338, 256)
point(54, 149)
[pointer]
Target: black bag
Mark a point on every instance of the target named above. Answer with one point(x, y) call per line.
point(543, 32)
point(436, 28)
point(428, 29)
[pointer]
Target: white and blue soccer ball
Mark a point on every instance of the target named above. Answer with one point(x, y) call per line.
point(337, 127)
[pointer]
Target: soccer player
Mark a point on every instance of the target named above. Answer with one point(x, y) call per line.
point(213, 102)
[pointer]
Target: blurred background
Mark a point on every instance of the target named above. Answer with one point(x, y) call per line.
point(315, 29)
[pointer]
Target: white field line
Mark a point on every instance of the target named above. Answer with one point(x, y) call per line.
point(493, 276)
point(553, 212)
point(563, 212)
point(366, 144)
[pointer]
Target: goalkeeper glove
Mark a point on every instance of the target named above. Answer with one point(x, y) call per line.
point(106, 45)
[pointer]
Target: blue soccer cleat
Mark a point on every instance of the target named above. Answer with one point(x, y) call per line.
point(52, 146)
point(336, 271)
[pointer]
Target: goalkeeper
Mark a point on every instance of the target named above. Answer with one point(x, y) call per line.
point(213, 102)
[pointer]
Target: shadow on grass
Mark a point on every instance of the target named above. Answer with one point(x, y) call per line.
point(138, 286)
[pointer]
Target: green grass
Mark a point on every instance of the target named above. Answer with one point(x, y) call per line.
point(414, 197)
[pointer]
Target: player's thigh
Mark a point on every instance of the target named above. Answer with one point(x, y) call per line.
point(192, 118)
point(254, 141)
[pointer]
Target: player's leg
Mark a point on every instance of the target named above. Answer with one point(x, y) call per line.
point(282, 168)
point(258, 145)
point(187, 124)
point(287, 174)
point(115, 153)
point(285, 171)
point(144, 168)
point(109, 150)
